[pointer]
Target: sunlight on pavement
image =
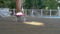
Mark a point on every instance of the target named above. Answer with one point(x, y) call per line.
point(35, 23)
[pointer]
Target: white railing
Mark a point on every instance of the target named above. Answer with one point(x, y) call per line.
point(39, 12)
point(13, 11)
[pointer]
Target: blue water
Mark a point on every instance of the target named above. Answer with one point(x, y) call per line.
point(50, 17)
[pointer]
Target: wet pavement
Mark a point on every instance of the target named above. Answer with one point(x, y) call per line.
point(10, 26)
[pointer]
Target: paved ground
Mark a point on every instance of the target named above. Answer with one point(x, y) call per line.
point(52, 26)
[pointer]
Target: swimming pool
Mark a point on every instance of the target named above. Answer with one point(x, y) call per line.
point(49, 16)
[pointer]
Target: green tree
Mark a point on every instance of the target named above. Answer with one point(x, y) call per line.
point(32, 4)
point(27, 4)
point(40, 4)
point(50, 4)
point(7, 3)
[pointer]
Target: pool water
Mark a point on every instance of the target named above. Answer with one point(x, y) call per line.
point(50, 16)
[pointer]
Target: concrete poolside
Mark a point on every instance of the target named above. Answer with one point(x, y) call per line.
point(9, 26)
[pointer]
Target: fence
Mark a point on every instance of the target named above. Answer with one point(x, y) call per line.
point(41, 12)
point(35, 13)
point(38, 12)
point(12, 11)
